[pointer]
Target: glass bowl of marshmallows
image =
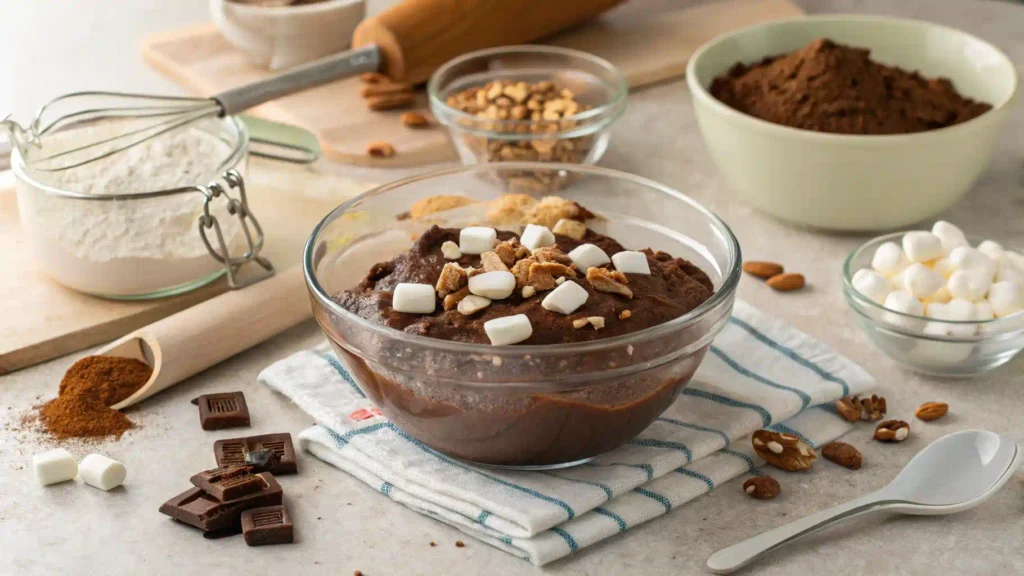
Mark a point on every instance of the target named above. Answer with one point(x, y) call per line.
point(938, 302)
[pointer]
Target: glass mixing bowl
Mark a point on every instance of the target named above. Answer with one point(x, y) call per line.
point(521, 406)
point(927, 345)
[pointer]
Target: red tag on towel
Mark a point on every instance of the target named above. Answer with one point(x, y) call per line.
point(364, 414)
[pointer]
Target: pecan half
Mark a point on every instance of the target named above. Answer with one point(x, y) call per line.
point(892, 431)
point(848, 408)
point(931, 411)
point(843, 454)
point(453, 277)
point(783, 451)
point(605, 280)
point(762, 487)
point(872, 408)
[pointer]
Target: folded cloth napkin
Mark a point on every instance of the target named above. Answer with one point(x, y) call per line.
point(759, 373)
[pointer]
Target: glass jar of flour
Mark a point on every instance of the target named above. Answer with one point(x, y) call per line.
point(163, 217)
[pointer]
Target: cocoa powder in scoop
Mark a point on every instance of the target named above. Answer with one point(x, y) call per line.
point(828, 87)
point(88, 389)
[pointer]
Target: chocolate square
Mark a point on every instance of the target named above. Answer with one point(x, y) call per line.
point(228, 483)
point(222, 410)
point(234, 452)
point(268, 525)
point(199, 509)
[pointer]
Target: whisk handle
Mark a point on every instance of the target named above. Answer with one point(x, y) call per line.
point(349, 63)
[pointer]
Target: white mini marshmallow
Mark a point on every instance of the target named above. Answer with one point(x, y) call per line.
point(942, 296)
point(566, 298)
point(496, 285)
point(921, 246)
point(1006, 298)
point(944, 268)
point(588, 256)
point(942, 353)
point(508, 330)
point(872, 285)
point(922, 281)
point(1015, 258)
point(991, 248)
point(967, 258)
point(950, 330)
point(414, 298)
point(983, 311)
point(1007, 272)
point(905, 303)
point(101, 472)
point(477, 239)
point(472, 304)
point(630, 262)
point(950, 235)
point(450, 250)
point(55, 466)
point(969, 285)
point(959, 310)
point(935, 309)
point(889, 259)
point(535, 236)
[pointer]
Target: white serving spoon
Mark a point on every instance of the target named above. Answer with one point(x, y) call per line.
point(955, 473)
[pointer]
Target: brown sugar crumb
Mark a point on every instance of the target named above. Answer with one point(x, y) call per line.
point(625, 314)
point(828, 87)
point(357, 573)
point(432, 543)
point(460, 544)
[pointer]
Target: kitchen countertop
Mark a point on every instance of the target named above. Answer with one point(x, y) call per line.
point(343, 525)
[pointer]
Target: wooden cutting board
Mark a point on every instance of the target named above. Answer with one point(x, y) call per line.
point(650, 41)
point(44, 320)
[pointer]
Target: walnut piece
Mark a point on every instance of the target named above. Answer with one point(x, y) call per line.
point(762, 487)
point(783, 451)
point(453, 277)
point(854, 408)
point(608, 281)
point(892, 431)
point(843, 454)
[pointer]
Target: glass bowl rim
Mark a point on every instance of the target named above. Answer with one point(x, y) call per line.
point(238, 151)
point(615, 105)
point(862, 301)
point(724, 294)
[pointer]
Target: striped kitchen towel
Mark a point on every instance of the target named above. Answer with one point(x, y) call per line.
point(759, 373)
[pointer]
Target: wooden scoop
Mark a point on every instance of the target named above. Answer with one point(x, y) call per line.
point(199, 337)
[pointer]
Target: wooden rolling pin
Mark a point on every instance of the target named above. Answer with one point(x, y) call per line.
point(415, 37)
point(194, 339)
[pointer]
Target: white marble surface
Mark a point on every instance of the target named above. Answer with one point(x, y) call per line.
point(343, 526)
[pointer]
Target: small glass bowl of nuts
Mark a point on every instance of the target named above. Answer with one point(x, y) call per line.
point(934, 303)
point(528, 103)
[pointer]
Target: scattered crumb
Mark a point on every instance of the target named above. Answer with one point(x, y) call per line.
point(357, 573)
point(460, 544)
point(432, 543)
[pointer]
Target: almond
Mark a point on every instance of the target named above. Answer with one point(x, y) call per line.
point(762, 269)
point(892, 431)
point(932, 411)
point(762, 487)
point(390, 101)
point(843, 454)
point(414, 120)
point(380, 150)
point(786, 282)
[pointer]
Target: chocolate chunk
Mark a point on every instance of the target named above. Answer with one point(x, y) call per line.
point(228, 483)
point(233, 452)
point(199, 509)
point(233, 530)
point(224, 410)
point(262, 460)
point(269, 525)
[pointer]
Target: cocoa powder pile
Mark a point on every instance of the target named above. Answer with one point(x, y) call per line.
point(89, 387)
point(828, 87)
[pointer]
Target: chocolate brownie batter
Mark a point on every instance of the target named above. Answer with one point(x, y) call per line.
point(421, 392)
point(674, 287)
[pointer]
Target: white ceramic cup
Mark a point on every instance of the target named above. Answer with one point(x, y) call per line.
point(854, 182)
point(280, 37)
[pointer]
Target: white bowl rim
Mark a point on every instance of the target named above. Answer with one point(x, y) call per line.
point(699, 92)
point(313, 7)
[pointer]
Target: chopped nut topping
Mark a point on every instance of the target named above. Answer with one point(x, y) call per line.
point(472, 271)
point(608, 281)
point(892, 431)
point(572, 228)
point(507, 251)
point(783, 451)
point(439, 203)
point(552, 254)
point(451, 301)
point(559, 281)
point(529, 291)
point(762, 487)
point(625, 314)
point(492, 262)
point(453, 277)
point(450, 250)
point(596, 321)
point(521, 270)
point(380, 150)
point(580, 323)
point(414, 120)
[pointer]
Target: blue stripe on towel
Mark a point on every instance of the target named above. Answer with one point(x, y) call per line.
point(724, 436)
point(607, 489)
point(750, 461)
point(646, 468)
point(618, 519)
point(483, 516)
point(766, 416)
point(763, 338)
point(573, 546)
point(656, 497)
point(804, 398)
point(385, 489)
point(652, 443)
point(787, 430)
point(568, 509)
point(696, 476)
point(336, 364)
point(343, 439)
